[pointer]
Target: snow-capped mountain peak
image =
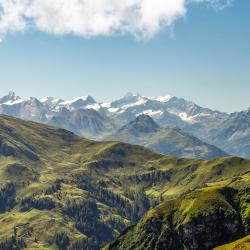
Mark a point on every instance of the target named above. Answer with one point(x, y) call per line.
point(78, 103)
point(77, 99)
point(161, 98)
point(11, 94)
point(167, 111)
point(50, 99)
point(128, 99)
point(13, 102)
point(153, 114)
point(140, 101)
point(129, 94)
point(95, 106)
point(10, 99)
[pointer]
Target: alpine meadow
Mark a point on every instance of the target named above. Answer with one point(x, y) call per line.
point(124, 125)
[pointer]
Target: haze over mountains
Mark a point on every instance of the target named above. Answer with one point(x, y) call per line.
point(97, 120)
point(171, 141)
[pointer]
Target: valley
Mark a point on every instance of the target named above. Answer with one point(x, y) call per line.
point(85, 193)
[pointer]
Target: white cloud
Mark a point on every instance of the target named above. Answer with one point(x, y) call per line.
point(87, 18)
point(217, 4)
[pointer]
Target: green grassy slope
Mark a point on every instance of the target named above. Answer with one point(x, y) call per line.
point(202, 219)
point(59, 191)
point(243, 244)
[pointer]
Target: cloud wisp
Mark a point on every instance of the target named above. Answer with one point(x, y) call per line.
point(89, 18)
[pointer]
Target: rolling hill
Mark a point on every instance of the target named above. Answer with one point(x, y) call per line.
point(60, 191)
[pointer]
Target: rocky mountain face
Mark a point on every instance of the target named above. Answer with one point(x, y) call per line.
point(61, 191)
point(86, 122)
point(233, 134)
point(143, 124)
point(167, 111)
point(77, 115)
point(146, 132)
point(210, 126)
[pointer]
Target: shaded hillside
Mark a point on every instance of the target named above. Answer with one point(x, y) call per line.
point(243, 244)
point(233, 134)
point(59, 191)
point(172, 141)
point(202, 219)
point(87, 123)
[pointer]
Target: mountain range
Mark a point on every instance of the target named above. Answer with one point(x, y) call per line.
point(146, 132)
point(98, 120)
point(61, 191)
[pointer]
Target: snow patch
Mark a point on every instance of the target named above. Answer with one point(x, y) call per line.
point(191, 119)
point(106, 105)
point(161, 98)
point(141, 101)
point(95, 106)
point(52, 100)
point(46, 99)
point(13, 102)
point(113, 110)
point(154, 114)
point(83, 98)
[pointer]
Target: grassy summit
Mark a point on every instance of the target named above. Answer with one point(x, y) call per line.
point(60, 191)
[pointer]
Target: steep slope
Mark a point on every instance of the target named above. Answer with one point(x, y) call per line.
point(144, 131)
point(31, 109)
point(60, 191)
point(85, 122)
point(202, 219)
point(10, 98)
point(143, 124)
point(243, 244)
point(77, 103)
point(234, 134)
point(82, 115)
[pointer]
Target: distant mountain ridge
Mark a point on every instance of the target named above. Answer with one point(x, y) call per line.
point(142, 124)
point(234, 134)
point(77, 115)
point(213, 127)
point(146, 132)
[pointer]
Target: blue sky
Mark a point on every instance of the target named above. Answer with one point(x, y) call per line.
point(204, 58)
